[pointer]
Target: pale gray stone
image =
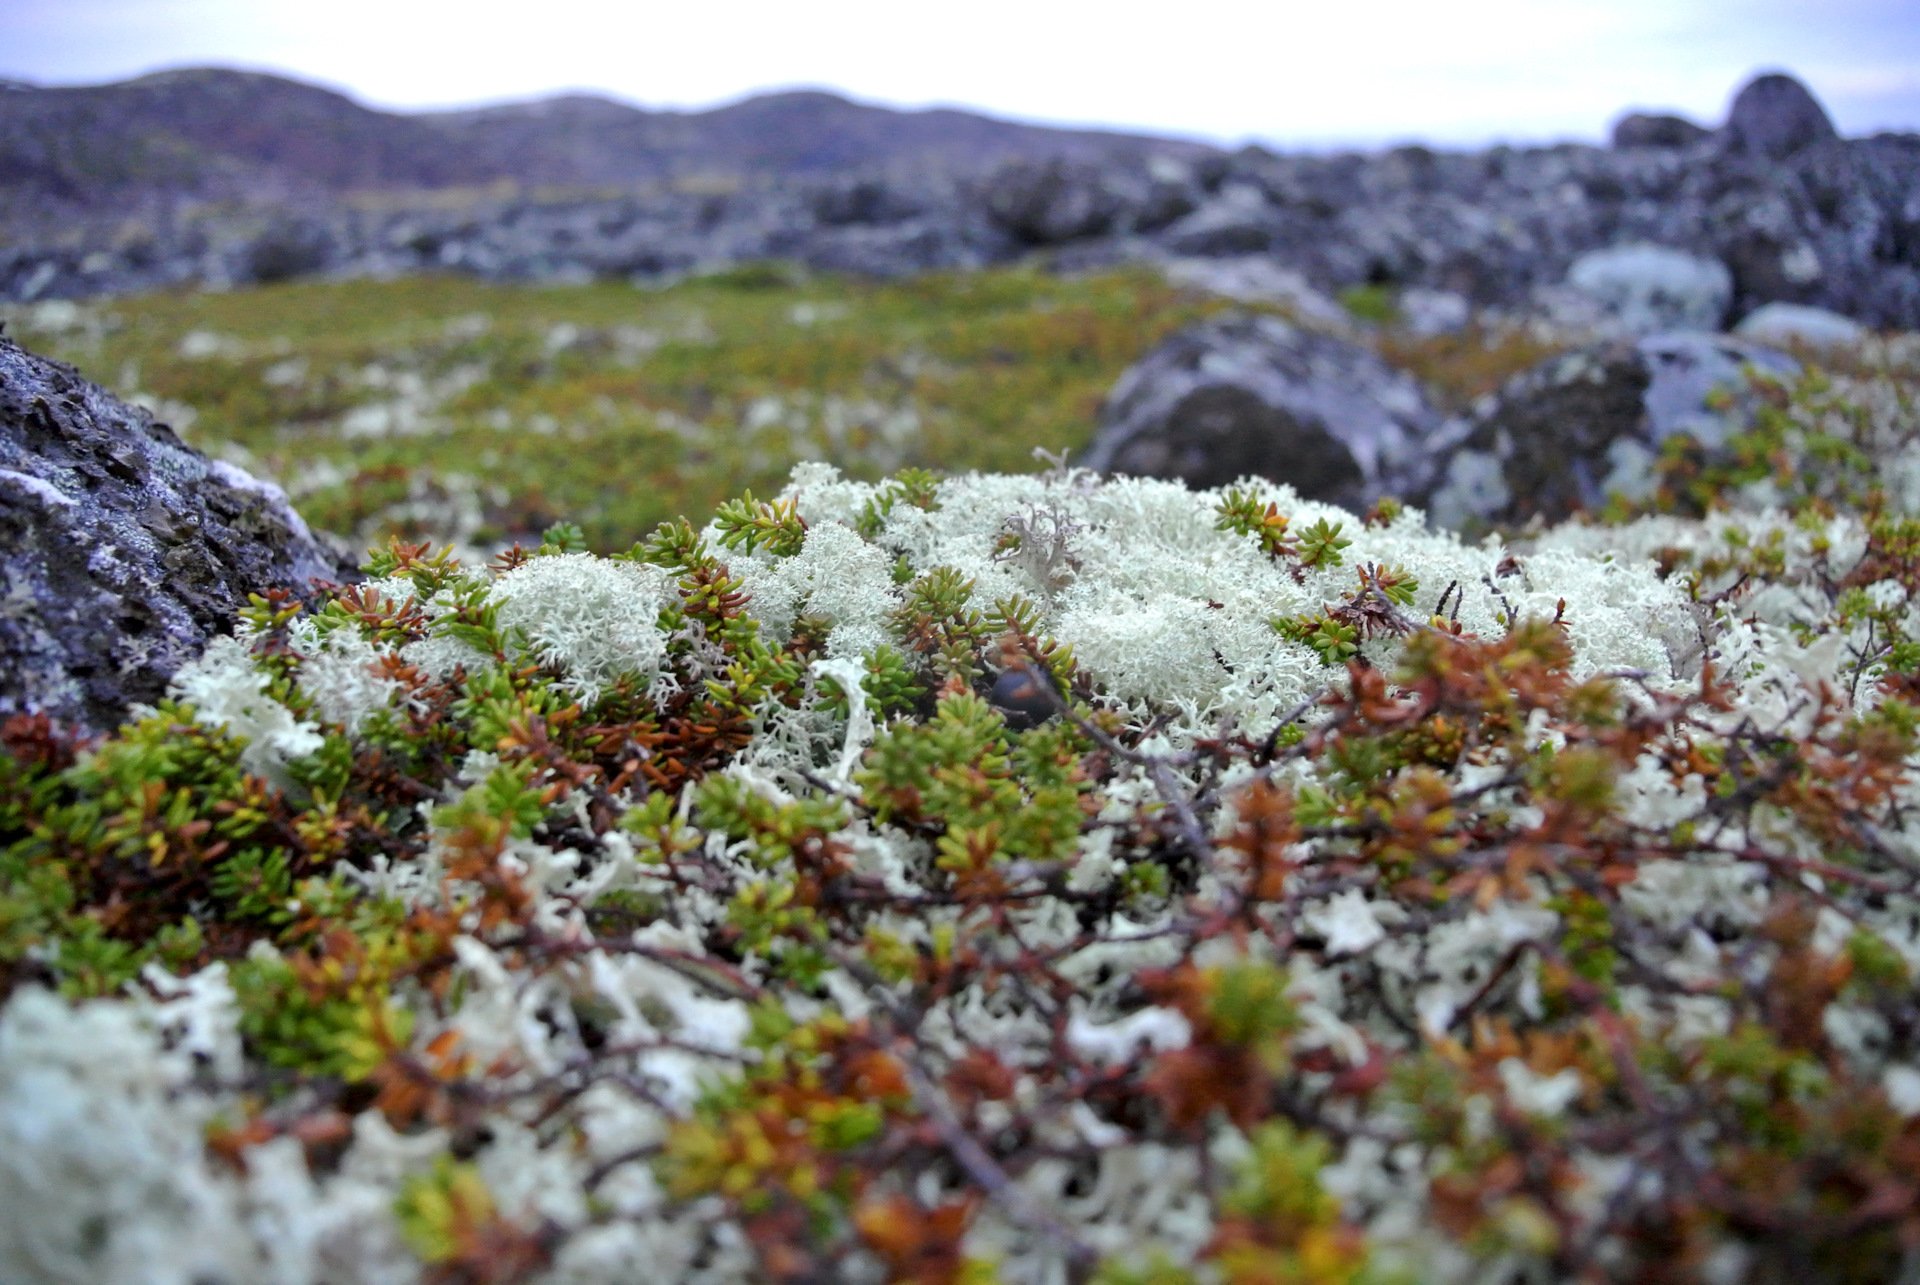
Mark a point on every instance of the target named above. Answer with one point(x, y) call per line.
point(1793, 323)
point(1245, 394)
point(1643, 289)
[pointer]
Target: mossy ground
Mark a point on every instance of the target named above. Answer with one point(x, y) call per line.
point(613, 406)
point(440, 406)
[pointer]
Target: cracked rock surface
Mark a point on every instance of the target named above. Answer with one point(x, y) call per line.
point(126, 550)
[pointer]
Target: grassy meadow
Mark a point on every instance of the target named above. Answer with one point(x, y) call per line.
point(453, 409)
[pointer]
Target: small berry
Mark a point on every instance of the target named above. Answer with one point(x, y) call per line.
point(1026, 695)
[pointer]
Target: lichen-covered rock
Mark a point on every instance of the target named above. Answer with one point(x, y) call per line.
point(1050, 202)
point(1236, 221)
point(1242, 394)
point(1774, 116)
point(127, 551)
point(1655, 131)
point(1644, 289)
point(1793, 323)
point(1565, 435)
point(1261, 279)
point(1856, 207)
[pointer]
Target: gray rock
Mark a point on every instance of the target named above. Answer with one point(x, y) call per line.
point(286, 248)
point(1774, 116)
point(894, 249)
point(1655, 131)
point(127, 550)
point(1565, 435)
point(1644, 289)
point(1170, 193)
point(1770, 247)
point(1050, 202)
point(1235, 221)
point(1791, 323)
point(1426, 313)
point(1856, 203)
point(864, 200)
point(1245, 394)
point(1257, 278)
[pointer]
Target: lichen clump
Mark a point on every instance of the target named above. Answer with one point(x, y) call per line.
point(1025, 878)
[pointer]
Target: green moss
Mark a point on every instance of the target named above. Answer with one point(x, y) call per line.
point(619, 408)
point(1375, 305)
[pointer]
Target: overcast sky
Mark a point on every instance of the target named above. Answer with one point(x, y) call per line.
point(1280, 71)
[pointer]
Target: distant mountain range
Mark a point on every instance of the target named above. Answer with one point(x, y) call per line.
point(220, 134)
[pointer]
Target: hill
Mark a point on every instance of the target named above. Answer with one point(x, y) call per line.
point(210, 133)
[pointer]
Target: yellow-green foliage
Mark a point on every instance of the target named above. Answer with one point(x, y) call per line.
point(385, 406)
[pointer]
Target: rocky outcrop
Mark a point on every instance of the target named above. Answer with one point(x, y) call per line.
point(1655, 130)
point(1644, 289)
point(1564, 436)
point(1051, 202)
point(126, 549)
point(1251, 394)
point(1790, 212)
point(1782, 324)
point(1774, 116)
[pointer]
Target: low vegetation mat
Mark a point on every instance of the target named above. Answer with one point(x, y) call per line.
point(1029, 878)
point(959, 877)
point(444, 408)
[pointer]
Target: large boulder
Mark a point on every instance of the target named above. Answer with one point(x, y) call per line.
point(1785, 324)
point(1773, 116)
point(127, 551)
point(1770, 246)
point(1861, 202)
point(1048, 202)
point(1644, 289)
point(1565, 435)
point(1247, 394)
point(289, 246)
point(1655, 131)
point(1237, 220)
point(1835, 225)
